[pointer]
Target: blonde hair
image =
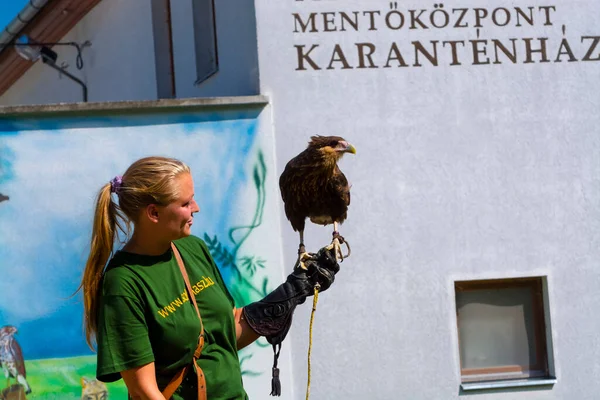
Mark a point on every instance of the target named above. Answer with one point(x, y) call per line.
point(150, 180)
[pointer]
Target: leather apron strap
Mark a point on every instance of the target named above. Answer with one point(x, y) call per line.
point(178, 378)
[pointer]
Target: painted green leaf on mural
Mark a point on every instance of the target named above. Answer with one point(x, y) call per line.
point(219, 252)
point(252, 264)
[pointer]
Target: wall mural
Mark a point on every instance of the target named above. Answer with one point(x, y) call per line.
point(50, 172)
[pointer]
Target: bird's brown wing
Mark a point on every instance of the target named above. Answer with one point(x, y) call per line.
point(17, 356)
point(341, 183)
point(290, 185)
point(338, 196)
point(330, 203)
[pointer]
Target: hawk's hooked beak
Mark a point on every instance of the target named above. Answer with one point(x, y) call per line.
point(347, 147)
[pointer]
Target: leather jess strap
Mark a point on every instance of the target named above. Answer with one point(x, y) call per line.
point(178, 378)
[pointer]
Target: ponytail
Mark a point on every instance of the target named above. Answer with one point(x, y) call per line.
point(104, 233)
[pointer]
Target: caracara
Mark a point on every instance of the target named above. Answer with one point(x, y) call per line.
point(312, 186)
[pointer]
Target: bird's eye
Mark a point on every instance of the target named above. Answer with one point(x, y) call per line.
point(333, 143)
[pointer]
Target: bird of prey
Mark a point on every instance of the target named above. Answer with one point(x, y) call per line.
point(3, 197)
point(313, 186)
point(11, 357)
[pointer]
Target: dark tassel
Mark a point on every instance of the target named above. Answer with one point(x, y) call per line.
point(275, 383)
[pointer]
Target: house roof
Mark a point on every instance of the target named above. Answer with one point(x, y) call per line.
point(49, 25)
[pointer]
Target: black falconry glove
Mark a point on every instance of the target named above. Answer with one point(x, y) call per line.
point(271, 317)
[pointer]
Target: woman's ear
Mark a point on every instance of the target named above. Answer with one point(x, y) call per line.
point(152, 212)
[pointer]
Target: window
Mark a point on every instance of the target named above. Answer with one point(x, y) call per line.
point(501, 329)
point(205, 39)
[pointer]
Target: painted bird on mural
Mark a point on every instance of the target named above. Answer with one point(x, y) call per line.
point(313, 186)
point(11, 357)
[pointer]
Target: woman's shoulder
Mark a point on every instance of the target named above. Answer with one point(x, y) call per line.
point(192, 243)
point(195, 248)
point(119, 277)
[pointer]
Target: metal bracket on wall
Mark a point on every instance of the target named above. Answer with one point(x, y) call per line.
point(205, 40)
point(32, 51)
point(62, 70)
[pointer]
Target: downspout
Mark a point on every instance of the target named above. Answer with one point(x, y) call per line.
point(20, 21)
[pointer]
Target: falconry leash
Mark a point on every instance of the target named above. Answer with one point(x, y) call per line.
point(310, 332)
point(341, 240)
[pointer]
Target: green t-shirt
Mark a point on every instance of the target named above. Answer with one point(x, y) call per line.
point(145, 315)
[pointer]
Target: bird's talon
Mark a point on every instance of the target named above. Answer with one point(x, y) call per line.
point(301, 258)
point(336, 244)
point(349, 251)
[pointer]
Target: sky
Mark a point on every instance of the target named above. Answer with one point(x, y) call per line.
point(9, 10)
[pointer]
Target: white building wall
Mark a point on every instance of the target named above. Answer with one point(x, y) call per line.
point(462, 172)
point(119, 65)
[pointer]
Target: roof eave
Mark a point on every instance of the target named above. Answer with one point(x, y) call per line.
point(20, 21)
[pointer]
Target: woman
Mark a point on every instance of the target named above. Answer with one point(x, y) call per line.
point(138, 310)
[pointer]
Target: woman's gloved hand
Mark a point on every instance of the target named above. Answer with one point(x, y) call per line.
point(322, 267)
point(271, 317)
